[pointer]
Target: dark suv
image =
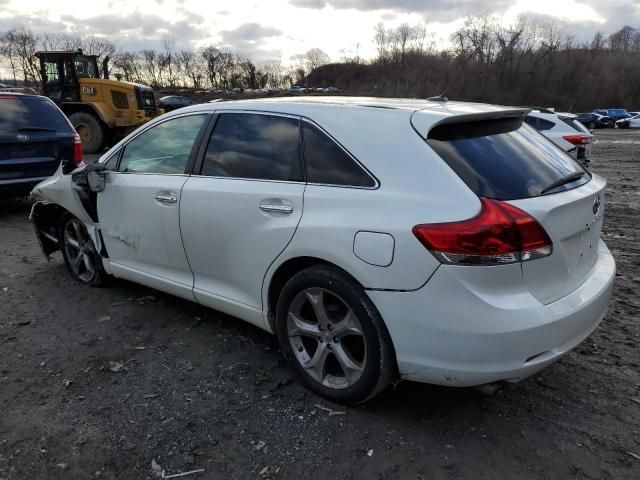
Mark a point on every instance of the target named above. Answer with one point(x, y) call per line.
point(35, 138)
point(595, 120)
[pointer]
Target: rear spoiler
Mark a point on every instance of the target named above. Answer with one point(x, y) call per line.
point(423, 129)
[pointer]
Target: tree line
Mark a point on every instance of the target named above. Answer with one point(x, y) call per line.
point(527, 62)
point(168, 66)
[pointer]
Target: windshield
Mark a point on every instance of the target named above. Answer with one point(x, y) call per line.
point(86, 67)
point(19, 113)
point(504, 159)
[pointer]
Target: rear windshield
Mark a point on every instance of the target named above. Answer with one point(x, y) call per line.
point(29, 113)
point(504, 159)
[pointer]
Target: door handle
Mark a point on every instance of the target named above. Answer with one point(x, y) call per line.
point(271, 208)
point(166, 198)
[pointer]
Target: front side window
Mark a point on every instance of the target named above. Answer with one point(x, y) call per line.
point(254, 146)
point(327, 163)
point(164, 148)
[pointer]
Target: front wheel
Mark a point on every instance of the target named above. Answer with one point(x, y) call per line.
point(333, 336)
point(82, 260)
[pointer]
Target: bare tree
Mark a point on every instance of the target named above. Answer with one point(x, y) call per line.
point(315, 58)
point(623, 39)
point(599, 41)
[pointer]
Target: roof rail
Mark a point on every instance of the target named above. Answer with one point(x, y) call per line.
point(27, 90)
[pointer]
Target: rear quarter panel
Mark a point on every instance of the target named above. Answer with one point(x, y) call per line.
point(415, 186)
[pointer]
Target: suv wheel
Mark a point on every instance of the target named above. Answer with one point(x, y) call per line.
point(333, 336)
point(82, 260)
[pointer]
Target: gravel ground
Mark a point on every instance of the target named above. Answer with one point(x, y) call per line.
point(101, 383)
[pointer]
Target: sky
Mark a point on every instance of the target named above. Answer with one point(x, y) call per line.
point(278, 29)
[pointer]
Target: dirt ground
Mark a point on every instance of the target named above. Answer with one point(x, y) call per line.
point(100, 383)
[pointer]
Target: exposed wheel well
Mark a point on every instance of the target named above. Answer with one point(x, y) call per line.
point(284, 273)
point(47, 217)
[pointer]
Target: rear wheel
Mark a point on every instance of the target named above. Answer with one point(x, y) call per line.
point(82, 260)
point(90, 131)
point(592, 125)
point(333, 336)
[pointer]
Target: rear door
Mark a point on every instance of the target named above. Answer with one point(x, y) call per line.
point(242, 207)
point(503, 160)
point(34, 137)
point(139, 208)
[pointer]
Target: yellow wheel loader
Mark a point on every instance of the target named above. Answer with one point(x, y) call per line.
point(100, 109)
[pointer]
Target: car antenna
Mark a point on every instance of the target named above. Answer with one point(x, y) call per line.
point(440, 97)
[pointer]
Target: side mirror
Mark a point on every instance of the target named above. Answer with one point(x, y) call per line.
point(96, 181)
point(92, 176)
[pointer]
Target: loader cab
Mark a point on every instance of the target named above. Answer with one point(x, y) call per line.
point(61, 72)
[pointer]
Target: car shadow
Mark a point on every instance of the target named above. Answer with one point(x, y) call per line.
point(15, 206)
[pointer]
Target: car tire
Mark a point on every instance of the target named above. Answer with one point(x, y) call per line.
point(80, 255)
point(333, 336)
point(592, 125)
point(90, 130)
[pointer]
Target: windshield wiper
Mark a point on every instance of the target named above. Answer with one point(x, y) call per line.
point(36, 129)
point(572, 177)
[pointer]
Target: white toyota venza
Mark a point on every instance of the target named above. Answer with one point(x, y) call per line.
point(433, 241)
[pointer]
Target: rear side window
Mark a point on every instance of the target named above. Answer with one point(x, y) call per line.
point(538, 123)
point(30, 113)
point(575, 125)
point(503, 159)
point(327, 163)
point(254, 146)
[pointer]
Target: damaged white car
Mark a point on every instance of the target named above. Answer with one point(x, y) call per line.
point(439, 242)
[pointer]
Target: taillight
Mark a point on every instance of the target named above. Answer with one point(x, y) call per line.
point(577, 139)
point(499, 234)
point(77, 149)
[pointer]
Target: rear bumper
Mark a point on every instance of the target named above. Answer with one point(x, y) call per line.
point(18, 187)
point(455, 331)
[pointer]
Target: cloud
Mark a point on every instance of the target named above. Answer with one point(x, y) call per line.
point(248, 35)
point(624, 12)
point(318, 4)
point(133, 32)
point(437, 10)
point(617, 14)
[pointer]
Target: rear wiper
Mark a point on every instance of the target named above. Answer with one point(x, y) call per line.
point(572, 177)
point(36, 129)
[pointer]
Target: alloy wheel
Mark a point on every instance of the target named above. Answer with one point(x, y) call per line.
point(79, 250)
point(326, 338)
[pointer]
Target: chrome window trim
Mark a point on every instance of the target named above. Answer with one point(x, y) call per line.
point(302, 118)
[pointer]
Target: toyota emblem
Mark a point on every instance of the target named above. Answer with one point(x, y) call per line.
point(21, 137)
point(596, 204)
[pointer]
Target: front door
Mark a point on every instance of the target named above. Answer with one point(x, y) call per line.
point(139, 209)
point(240, 213)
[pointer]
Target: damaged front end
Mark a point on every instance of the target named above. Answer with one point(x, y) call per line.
point(65, 193)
